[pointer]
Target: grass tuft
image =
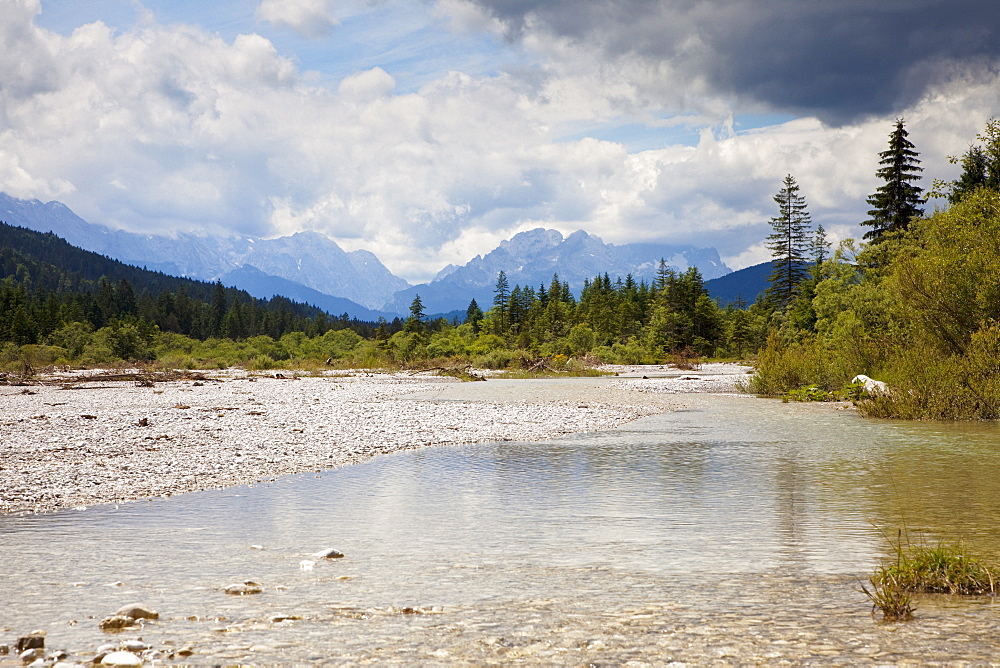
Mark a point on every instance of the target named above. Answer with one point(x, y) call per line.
point(946, 568)
point(892, 600)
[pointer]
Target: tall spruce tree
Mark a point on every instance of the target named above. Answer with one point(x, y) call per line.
point(501, 305)
point(898, 201)
point(790, 244)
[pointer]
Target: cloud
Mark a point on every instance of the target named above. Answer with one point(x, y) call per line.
point(838, 61)
point(309, 18)
point(167, 128)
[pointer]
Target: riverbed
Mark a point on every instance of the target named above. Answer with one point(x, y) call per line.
point(732, 530)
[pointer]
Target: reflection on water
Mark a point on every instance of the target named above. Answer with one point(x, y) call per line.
point(733, 531)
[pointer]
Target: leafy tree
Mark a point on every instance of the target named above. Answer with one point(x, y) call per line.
point(898, 201)
point(789, 244)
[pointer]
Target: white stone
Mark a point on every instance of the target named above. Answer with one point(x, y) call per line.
point(121, 659)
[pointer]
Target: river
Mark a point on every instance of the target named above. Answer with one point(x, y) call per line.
point(734, 531)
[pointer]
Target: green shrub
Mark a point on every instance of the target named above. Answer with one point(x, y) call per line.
point(261, 363)
point(809, 393)
point(495, 359)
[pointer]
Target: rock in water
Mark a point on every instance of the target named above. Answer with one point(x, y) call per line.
point(31, 641)
point(328, 553)
point(121, 659)
point(116, 622)
point(29, 655)
point(137, 611)
point(243, 589)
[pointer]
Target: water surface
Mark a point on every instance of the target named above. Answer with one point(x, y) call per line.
point(736, 530)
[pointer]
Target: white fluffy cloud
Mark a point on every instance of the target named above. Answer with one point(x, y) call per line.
point(167, 127)
point(310, 18)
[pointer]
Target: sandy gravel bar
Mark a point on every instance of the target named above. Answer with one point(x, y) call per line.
point(707, 379)
point(112, 441)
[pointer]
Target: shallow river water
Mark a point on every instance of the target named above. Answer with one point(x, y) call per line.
point(735, 531)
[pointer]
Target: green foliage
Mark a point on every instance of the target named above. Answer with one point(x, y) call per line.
point(980, 167)
point(784, 366)
point(919, 311)
point(809, 393)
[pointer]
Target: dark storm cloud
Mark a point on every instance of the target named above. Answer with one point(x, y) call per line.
point(836, 59)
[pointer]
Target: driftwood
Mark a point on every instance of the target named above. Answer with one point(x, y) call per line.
point(464, 373)
point(542, 365)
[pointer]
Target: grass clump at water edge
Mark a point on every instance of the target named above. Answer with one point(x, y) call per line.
point(946, 568)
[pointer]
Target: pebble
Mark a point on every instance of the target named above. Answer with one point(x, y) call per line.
point(29, 655)
point(31, 641)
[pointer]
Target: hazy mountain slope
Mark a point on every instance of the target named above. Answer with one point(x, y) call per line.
point(264, 286)
point(743, 284)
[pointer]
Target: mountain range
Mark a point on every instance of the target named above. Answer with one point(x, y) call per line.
point(311, 268)
point(531, 259)
point(307, 258)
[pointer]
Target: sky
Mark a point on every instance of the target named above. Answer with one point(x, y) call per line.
point(427, 131)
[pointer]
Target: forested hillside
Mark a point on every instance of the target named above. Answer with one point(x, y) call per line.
point(59, 304)
point(51, 291)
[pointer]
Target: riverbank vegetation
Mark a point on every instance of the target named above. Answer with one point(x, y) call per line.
point(918, 306)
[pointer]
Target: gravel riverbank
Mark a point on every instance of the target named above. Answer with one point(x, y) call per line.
point(75, 444)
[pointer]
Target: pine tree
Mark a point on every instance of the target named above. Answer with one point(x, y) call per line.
point(501, 304)
point(789, 244)
point(474, 316)
point(897, 202)
point(415, 323)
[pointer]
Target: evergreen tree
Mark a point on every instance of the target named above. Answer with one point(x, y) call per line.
point(898, 201)
point(415, 323)
point(980, 165)
point(474, 316)
point(501, 304)
point(219, 304)
point(789, 244)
